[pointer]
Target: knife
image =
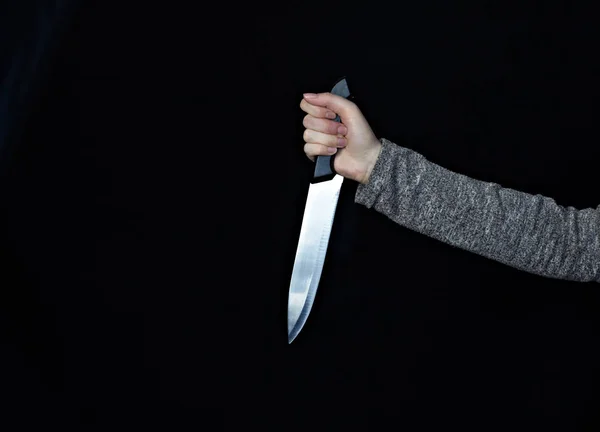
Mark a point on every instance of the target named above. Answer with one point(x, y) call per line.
point(319, 212)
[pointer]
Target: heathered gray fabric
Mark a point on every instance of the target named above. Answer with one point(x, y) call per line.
point(528, 232)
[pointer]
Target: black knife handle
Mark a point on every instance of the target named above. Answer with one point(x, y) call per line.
point(324, 164)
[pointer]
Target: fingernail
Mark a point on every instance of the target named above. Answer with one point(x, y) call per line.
point(342, 130)
point(330, 115)
point(331, 150)
point(341, 142)
point(310, 95)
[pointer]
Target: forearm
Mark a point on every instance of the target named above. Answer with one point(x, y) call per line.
point(528, 232)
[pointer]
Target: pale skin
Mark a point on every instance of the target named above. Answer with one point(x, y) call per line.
point(352, 141)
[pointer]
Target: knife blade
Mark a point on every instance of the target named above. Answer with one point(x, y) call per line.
point(317, 221)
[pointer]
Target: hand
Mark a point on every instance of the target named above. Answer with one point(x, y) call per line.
point(359, 149)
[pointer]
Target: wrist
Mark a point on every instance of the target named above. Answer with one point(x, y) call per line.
point(371, 159)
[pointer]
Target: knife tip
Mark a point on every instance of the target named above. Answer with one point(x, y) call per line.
point(292, 337)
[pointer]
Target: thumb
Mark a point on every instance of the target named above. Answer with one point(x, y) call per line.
point(335, 103)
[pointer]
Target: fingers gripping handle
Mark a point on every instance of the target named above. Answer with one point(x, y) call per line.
point(324, 164)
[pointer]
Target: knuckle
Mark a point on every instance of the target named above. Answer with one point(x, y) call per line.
point(306, 120)
point(306, 135)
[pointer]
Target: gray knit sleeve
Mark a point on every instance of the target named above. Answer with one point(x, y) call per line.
point(528, 232)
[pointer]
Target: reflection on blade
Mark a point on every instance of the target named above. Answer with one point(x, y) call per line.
point(312, 248)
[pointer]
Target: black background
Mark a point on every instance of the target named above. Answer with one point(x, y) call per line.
point(151, 213)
